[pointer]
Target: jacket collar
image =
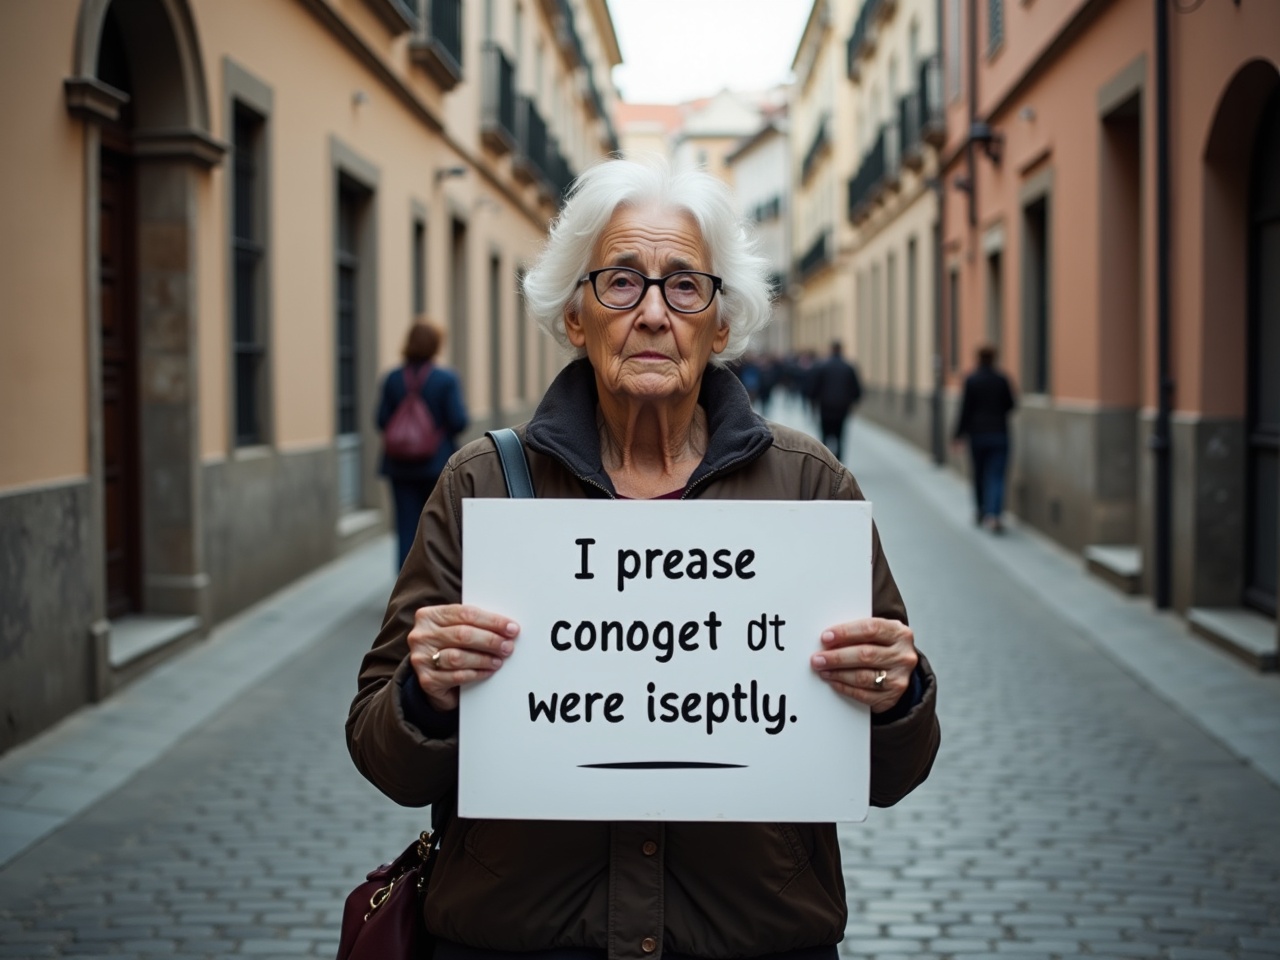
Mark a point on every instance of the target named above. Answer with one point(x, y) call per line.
point(564, 425)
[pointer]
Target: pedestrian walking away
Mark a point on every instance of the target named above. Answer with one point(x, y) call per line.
point(836, 390)
point(648, 274)
point(414, 468)
point(984, 418)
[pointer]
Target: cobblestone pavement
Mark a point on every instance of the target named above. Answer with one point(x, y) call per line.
point(1072, 811)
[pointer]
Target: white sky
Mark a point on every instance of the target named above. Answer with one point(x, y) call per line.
point(676, 50)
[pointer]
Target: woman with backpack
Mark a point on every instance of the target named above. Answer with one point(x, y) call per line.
point(420, 416)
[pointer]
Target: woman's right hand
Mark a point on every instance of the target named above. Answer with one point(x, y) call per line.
point(455, 643)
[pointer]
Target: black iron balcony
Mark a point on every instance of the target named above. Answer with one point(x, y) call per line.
point(933, 118)
point(869, 182)
point(909, 125)
point(559, 175)
point(498, 108)
point(816, 257)
point(592, 95)
point(399, 16)
point(568, 32)
point(437, 46)
point(863, 39)
point(531, 133)
point(817, 149)
point(920, 115)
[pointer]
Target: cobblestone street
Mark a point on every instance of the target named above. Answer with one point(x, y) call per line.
point(1084, 802)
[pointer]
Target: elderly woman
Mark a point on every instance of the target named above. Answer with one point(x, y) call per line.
point(650, 277)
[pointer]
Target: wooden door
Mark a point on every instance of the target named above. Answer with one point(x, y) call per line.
point(119, 383)
point(1262, 523)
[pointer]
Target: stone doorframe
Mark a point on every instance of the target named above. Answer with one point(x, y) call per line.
point(173, 148)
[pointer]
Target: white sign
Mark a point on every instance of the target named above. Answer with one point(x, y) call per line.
point(662, 668)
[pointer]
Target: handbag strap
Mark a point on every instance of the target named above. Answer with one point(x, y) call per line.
point(515, 468)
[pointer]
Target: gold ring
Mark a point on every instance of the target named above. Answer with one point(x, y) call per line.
point(879, 678)
point(435, 659)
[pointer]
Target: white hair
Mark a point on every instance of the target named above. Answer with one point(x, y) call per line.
point(553, 282)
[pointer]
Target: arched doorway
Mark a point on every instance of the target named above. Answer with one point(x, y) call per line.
point(1262, 573)
point(138, 83)
point(1235, 441)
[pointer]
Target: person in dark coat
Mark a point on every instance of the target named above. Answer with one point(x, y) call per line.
point(984, 419)
point(835, 390)
point(413, 480)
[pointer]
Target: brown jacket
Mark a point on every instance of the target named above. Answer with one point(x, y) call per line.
point(713, 890)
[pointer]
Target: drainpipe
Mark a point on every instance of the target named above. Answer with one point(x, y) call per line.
point(939, 431)
point(972, 97)
point(1160, 436)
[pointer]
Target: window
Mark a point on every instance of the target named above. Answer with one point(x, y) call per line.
point(354, 269)
point(995, 297)
point(995, 25)
point(522, 341)
point(517, 49)
point(1035, 295)
point(495, 337)
point(891, 322)
point(953, 319)
point(419, 268)
point(249, 247)
point(877, 359)
point(912, 319)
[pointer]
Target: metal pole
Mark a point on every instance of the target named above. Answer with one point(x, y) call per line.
point(1160, 435)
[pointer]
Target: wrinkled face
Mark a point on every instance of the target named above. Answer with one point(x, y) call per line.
point(649, 351)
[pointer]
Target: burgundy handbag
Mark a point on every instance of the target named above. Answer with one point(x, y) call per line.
point(382, 918)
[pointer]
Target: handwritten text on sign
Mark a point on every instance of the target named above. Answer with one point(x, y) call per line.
point(662, 669)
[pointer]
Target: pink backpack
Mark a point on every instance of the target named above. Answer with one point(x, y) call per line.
point(412, 433)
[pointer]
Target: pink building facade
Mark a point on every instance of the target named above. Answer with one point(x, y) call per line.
point(1111, 222)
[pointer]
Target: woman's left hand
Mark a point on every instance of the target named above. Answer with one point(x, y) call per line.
point(854, 654)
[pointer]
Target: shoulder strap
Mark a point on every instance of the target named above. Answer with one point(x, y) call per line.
point(411, 383)
point(515, 468)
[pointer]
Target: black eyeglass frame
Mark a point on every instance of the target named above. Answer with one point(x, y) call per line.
point(717, 286)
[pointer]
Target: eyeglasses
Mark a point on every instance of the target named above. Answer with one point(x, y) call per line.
point(685, 291)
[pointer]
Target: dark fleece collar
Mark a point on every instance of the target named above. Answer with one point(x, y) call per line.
point(564, 425)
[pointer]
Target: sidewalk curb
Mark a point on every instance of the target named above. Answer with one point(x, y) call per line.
point(47, 781)
point(1237, 706)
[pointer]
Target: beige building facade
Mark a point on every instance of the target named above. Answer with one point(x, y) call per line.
point(891, 201)
point(1112, 223)
point(865, 135)
point(221, 217)
point(821, 147)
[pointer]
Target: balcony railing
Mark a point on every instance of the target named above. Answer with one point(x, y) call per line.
point(920, 117)
point(909, 124)
point(863, 39)
point(568, 32)
point(866, 185)
point(399, 16)
point(821, 140)
point(591, 93)
point(933, 117)
point(559, 175)
point(817, 256)
point(437, 47)
point(498, 110)
point(531, 133)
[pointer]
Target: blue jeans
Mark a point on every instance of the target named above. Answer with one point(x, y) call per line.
point(989, 453)
point(410, 497)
